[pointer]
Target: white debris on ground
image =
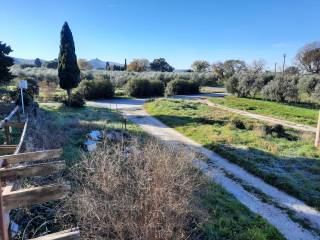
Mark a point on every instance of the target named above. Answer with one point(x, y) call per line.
point(90, 145)
point(95, 137)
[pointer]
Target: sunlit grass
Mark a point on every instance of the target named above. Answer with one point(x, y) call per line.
point(290, 162)
point(300, 113)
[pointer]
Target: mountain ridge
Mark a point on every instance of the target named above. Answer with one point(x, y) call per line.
point(96, 62)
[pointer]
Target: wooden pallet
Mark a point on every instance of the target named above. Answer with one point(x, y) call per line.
point(22, 165)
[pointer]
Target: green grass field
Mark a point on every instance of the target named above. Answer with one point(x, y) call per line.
point(288, 161)
point(228, 218)
point(300, 113)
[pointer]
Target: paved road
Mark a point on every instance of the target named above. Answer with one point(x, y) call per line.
point(278, 217)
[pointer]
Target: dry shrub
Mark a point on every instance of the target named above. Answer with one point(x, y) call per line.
point(137, 191)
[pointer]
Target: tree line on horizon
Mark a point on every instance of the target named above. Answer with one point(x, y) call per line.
point(308, 61)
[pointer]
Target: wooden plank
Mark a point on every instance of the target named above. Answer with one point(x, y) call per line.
point(35, 195)
point(7, 149)
point(22, 137)
point(31, 170)
point(63, 235)
point(32, 156)
point(7, 134)
point(8, 188)
point(14, 124)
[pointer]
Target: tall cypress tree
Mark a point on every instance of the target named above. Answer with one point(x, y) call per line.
point(107, 66)
point(68, 70)
point(5, 63)
point(125, 65)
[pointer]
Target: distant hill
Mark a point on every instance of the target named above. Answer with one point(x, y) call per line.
point(96, 63)
point(26, 61)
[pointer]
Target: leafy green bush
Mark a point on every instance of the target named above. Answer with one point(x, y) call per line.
point(139, 87)
point(237, 123)
point(60, 97)
point(282, 88)
point(275, 130)
point(157, 87)
point(95, 89)
point(307, 84)
point(180, 86)
point(232, 84)
point(242, 85)
point(76, 100)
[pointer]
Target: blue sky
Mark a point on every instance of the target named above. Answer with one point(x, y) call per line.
point(179, 30)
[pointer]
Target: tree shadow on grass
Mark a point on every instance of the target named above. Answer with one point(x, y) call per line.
point(179, 121)
point(309, 105)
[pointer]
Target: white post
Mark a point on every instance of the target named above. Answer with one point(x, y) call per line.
point(317, 141)
point(22, 103)
point(23, 84)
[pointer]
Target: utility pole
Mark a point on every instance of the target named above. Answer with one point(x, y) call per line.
point(284, 63)
point(275, 69)
point(317, 141)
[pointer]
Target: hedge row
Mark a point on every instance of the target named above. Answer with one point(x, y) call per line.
point(139, 87)
point(96, 89)
point(179, 86)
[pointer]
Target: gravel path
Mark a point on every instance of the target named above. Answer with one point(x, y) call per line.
point(272, 120)
point(276, 216)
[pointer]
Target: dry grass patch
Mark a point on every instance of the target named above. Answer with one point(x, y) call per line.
point(137, 191)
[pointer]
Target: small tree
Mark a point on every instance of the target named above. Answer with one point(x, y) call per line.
point(281, 89)
point(107, 66)
point(84, 64)
point(52, 64)
point(200, 66)
point(161, 65)
point(309, 58)
point(68, 70)
point(139, 65)
point(292, 70)
point(37, 62)
point(5, 63)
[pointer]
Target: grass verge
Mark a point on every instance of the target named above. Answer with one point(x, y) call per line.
point(300, 113)
point(285, 159)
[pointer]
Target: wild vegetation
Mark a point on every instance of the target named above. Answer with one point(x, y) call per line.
point(111, 197)
point(282, 157)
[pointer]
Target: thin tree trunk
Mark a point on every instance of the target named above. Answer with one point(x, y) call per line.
point(69, 92)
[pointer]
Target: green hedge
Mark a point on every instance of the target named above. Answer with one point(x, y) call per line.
point(139, 87)
point(180, 86)
point(96, 89)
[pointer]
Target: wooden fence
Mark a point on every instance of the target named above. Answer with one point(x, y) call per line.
point(15, 166)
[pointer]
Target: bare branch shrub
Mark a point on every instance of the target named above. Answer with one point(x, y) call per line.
point(136, 191)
